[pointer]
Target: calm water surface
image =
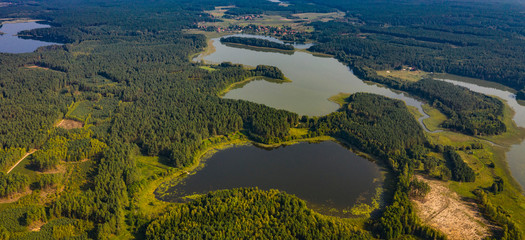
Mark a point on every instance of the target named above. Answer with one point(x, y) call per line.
point(326, 175)
point(314, 80)
point(10, 43)
point(516, 154)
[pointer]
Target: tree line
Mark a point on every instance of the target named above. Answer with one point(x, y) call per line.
point(257, 42)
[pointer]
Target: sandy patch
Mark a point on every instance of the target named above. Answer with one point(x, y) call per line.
point(444, 210)
point(17, 20)
point(34, 227)
point(69, 124)
point(36, 67)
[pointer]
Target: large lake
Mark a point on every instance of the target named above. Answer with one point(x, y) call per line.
point(11, 43)
point(328, 176)
point(314, 80)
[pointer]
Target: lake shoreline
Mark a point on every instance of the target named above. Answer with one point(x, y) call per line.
point(203, 155)
point(12, 41)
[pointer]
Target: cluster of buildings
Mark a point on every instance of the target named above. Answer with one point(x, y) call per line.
point(252, 28)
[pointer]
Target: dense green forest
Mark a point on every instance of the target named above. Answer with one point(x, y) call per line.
point(132, 85)
point(366, 122)
point(257, 42)
point(249, 213)
point(468, 112)
point(124, 73)
point(387, 34)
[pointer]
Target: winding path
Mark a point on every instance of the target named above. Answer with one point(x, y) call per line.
point(21, 159)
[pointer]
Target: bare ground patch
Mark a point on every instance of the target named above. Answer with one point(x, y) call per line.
point(59, 169)
point(70, 124)
point(36, 67)
point(444, 210)
point(15, 197)
point(34, 227)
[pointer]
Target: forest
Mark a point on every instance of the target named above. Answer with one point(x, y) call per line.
point(249, 213)
point(257, 43)
point(458, 45)
point(123, 72)
point(468, 112)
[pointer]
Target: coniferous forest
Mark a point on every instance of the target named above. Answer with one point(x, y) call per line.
point(145, 113)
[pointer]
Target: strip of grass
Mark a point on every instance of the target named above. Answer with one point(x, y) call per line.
point(210, 69)
point(298, 132)
point(406, 75)
point(340, 98)
point(415, 112)
point(435, 120)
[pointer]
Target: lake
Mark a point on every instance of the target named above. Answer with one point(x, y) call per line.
point(314, 80)
point(10, 43)
point(329, 177)
point(516, 154)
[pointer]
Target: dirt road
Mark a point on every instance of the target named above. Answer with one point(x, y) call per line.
point(21, 159)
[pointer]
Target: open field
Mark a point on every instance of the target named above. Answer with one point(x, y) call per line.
point(406, 75)
point(16, 20)
point(320, 17)
point(69, 124)
point(435, 120)
point(84, 111)
point(298, 23)
point(210, 69)
point(219, 11)
point(36, 67)
point(444, 210)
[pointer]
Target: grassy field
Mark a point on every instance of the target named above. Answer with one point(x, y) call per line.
point(210, 69)
point(435, 120)
point(415, 112)
point(85, 110)
point(273, 20)
point(410, 76)
point(340, 98)
point(151, 171)
point(320, 17)
point(511, 199)
point(298, 132)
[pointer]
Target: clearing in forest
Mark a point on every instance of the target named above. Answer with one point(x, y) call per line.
point(70, 124)
point(405, 74)
point(443, 209)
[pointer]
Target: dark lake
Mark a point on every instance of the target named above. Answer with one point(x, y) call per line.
point(10, 43)
point(329, 177)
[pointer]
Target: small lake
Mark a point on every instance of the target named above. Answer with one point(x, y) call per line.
point(314, 80)
point(516, 154)
point(10, 43)
point(328, 176)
